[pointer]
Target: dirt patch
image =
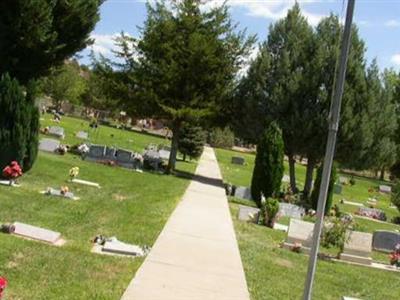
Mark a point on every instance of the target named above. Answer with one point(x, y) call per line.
point(284, 263)
point(119, 197)
point(15, 260)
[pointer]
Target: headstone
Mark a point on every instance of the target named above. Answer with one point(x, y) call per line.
point(115, 246)
point(9, 183)
point(124, 158)
point(110, 153)
point(82, 135)
point(164, 153)
point(291, 210)
point(36, 233)
point(151, 159)
point(281, 227)
point(49, 145)
point(96, 152)
point(248, 213)
point(300, 232)
point(56, 131)
point(243, 192)
point(236, 160)
point(373, 213)
point(54, 192)
point(385, 240)
point(337, 189)
point(286, 178)
point(357, 248)
point(343, 180)
point(385, 189)
point(350, 298)
point(84, 182)
point(353, 203)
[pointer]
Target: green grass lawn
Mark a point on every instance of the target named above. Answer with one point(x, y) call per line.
point(132, 206)
point(275, 273)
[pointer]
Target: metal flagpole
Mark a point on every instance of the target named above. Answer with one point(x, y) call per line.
point(334, 117)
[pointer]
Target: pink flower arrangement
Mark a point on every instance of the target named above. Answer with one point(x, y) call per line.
point(12, 171)
point(3, 285)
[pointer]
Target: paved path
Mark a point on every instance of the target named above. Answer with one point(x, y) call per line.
point(196, 256)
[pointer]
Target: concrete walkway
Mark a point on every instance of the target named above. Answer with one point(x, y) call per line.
point(196, 256)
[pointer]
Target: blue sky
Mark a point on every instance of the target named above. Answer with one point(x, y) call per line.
point(378, 22)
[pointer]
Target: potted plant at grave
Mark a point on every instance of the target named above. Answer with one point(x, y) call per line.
point(12, 172)
point(395, 256)
point(73, 172)
point(270, 208)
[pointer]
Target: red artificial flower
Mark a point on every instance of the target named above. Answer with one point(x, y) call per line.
point(12, 171)
point(3, 285)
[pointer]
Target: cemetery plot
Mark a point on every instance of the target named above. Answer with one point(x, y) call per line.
point(37, 233)
point(385, 240)
point(59, 193)
point(56, 131)
point(357, 248)
point(299, 234)
point(237, 160)
point(49, 145)
point(372, 213)
point(249, 214)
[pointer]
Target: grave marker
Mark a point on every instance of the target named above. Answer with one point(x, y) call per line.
point(300, 232)
point(82, 135)
point(385, 189)
point(357, 248)
point(248, 213)
point(49, 145)
point(291, 210)
point(36, 233)
point(385, 240)
point(118, 247)
point(85, 182)
point(236, 160)
point(57, 131)
point(243, 193)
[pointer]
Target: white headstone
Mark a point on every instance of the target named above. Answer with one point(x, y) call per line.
point(385, 189)
point(300, 232)
point(248, 213)
point(49, 145)
point(36, 233)
point(82, 135)
point(291, 210)
point(286, 178)
point(358, 247)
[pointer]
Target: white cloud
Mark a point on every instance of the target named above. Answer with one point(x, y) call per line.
point(276, 9)
point(396, 59)
point(392, 23)
point(103, 43)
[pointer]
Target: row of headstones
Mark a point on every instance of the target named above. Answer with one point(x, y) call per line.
point(122, 157)
point(358, 245)
point(248, 213)
point(54, 238)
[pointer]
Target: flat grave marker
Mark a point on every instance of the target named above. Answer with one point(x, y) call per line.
point(56, 131)
point(49, 145)
point(82, 135)
point(385, 189)
point(237, 160)
point(118, 247)
point(36, 233)
point(85, 182)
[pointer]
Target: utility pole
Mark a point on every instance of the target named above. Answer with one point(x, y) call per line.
point(334, 117)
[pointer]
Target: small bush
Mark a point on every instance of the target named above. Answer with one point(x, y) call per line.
point(334, 233)
point(352, 181)
point(270, 209)
point(221, 138)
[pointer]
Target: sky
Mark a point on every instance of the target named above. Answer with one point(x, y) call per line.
point(378, 22)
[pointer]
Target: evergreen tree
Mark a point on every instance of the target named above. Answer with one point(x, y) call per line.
point(16, 141)
point(268, 168)
point(317, 185)
point(382, 116)
point(191, 142)
point(187, 63)
point(39, 34)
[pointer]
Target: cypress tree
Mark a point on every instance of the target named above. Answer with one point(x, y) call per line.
point(14, 122)
point(317, 184)
point(268, 168)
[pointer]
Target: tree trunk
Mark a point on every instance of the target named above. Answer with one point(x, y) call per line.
point(382, 174)
point(309, 178)
point(174, 147)
point(292, 173)
point(184, 157)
